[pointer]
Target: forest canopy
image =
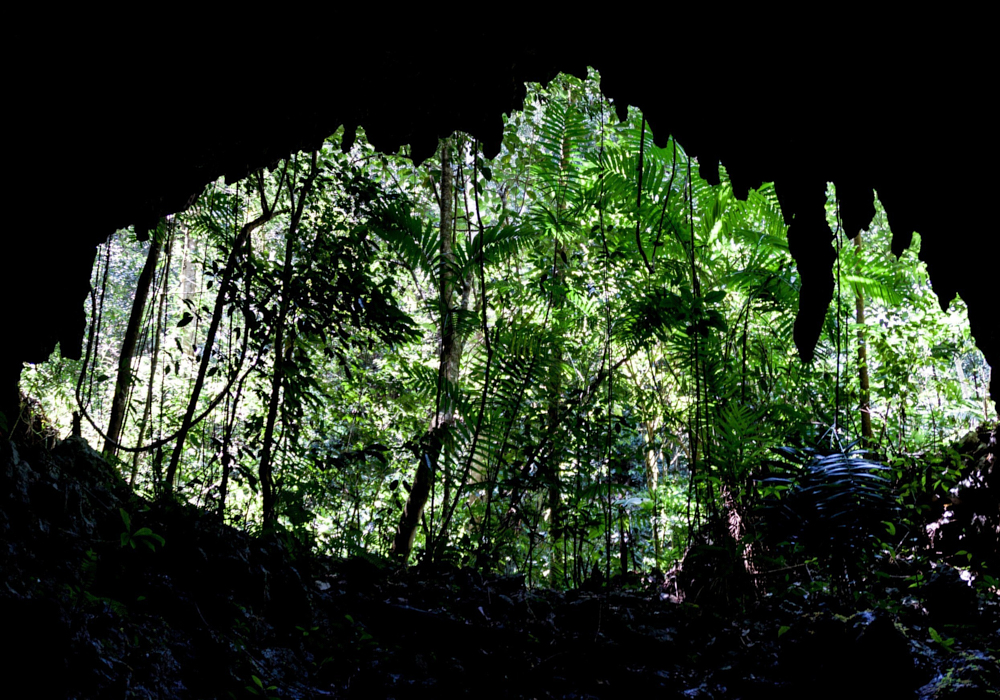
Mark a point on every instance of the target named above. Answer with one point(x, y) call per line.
point(574, 357)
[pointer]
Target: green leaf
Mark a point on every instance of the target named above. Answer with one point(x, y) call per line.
point(946, 642)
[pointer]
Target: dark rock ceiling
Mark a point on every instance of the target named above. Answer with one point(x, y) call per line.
point(109, 138)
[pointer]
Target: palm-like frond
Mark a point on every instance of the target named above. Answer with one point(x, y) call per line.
point(872, 276)
point(516, 373)
point(217, 215)
point(654, 208)
point(561, 135)
point(649, 317)
point(740, 435)
point(758, 221)
point(417, 243)
point(558, 169)
point(498, 243)
point(833, 501)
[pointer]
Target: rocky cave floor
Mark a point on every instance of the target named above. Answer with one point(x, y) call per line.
point(95, 606)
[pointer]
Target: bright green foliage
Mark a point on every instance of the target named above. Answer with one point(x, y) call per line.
point(627, 361)
point(143, 535)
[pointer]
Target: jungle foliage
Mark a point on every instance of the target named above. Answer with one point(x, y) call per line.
point(575, 358)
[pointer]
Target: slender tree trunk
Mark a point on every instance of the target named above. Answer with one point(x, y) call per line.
point(478, 451)
point(448, 372)
point(622, 543)
point(552, 466)
point(866, 417)
point(652, 460)
point(266, 470)
point(206, 355)
point(962, 382)
point(227, 456)
point(123, 383)
point(448, 258)
point(147, 410)
point(189, 288)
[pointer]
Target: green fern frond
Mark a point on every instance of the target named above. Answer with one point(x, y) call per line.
point(499, 243)
point(417, 243)
point(217, 215)
point(834, 502)
point(868, 287)
point(562, 136)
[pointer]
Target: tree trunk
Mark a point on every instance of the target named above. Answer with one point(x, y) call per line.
point(206, 354)
point(147, 411)
point(866, 416)
point(265, 470)
point(189, 289)
point(652, 460)
point(123, 383)
point(551, 466)
point(448, 371)
point(227, 442)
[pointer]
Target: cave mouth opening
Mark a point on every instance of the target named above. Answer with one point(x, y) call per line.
point(362, 181)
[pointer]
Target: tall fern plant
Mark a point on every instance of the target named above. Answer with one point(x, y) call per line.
point(830, 505)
